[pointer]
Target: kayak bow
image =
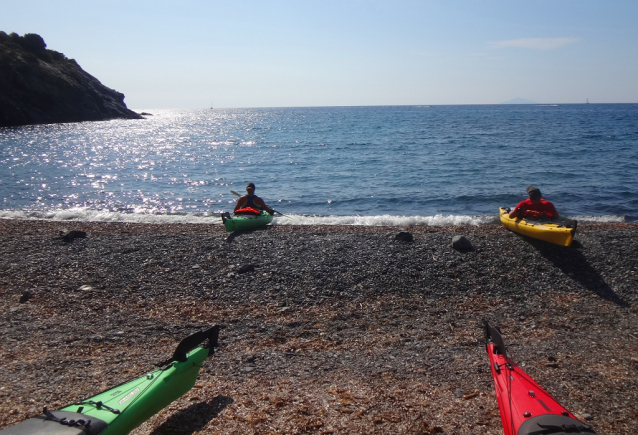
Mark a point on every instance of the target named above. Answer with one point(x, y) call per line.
point(560, 232)
point(526, 408)
point(121, 409)
point(246, 222)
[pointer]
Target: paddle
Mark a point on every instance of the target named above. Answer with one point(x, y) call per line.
point(238, 195)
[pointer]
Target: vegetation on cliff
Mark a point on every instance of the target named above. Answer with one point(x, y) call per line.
point(42, 86)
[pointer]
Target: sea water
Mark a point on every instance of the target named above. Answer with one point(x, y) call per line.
point(393, 165)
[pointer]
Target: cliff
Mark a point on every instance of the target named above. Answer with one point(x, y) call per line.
point(42, 86)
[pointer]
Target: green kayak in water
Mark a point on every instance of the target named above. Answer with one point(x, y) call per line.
point(119, 410)
point(246, 222)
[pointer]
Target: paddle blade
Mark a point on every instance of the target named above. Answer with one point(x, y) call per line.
point(492, 335)
point(191, 342)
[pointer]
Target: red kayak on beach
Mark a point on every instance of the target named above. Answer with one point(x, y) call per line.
point(526, 408)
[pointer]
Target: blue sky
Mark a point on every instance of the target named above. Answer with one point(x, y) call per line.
point(246, 53)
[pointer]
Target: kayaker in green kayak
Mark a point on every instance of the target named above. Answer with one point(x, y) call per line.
point(252, 200)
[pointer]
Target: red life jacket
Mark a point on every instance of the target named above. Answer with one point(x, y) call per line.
point(248, 211)
point(540, 209)
point(534, 214)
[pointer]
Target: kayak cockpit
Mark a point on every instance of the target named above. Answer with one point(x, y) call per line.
point(552, 424)
point(58, 423)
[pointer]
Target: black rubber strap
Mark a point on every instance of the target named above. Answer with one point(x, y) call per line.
point(73, 423)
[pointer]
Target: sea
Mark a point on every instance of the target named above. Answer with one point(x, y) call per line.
point(372, 165)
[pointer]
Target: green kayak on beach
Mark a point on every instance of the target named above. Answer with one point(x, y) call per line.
point(246, 222)
point(121, 409)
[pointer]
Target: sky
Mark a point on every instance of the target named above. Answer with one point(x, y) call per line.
point(173, 54)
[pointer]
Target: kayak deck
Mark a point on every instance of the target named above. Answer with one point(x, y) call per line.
point(246, 222)
point(526, 408)
point(119, 410)
point(130, 404)
point(557, 232)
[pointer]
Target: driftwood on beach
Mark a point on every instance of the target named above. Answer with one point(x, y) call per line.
point(326, 329)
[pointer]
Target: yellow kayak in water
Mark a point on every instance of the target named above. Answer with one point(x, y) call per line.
point(560, 232)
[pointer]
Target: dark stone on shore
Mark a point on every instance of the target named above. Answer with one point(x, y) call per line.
point(69, 236)
point(404, 236)
point(41, 86)
point(246, 268)
point(25, 297)
point(461, 243)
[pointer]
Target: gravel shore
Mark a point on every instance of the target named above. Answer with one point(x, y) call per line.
point(326, 329)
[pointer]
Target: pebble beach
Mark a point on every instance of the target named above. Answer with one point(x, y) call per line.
point(325, 329)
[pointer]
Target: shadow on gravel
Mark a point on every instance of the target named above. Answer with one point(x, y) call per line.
point(234, 234)
point(193, 418)
point(574, 264)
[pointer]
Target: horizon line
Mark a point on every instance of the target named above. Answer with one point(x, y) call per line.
point(375, 105)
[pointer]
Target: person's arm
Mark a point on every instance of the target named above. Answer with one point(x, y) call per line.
point(555, 214)
point(240, 203)
point(517, 210)
point(514, 213)
point(260, 202)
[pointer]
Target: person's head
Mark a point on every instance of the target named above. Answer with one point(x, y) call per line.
point(250, 188)
point(534, 192)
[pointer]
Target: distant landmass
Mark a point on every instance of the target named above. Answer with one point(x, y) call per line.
point(42, 86)
point(519, 100)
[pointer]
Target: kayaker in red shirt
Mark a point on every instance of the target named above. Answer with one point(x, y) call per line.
point(252, 200)
point(534, 206)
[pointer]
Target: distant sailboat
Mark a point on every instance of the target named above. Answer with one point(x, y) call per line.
point(587, 101)
point(211, 105)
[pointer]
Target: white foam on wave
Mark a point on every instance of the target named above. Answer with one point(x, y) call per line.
point(79, 214)
point(84, 215)
point(600, 219)
point(385, 220)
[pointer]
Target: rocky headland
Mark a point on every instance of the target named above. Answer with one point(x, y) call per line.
point(43, 86)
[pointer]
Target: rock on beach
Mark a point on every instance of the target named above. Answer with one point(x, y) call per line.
point(326, 329)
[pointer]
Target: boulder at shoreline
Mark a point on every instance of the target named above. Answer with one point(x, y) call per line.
point(41, 86)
